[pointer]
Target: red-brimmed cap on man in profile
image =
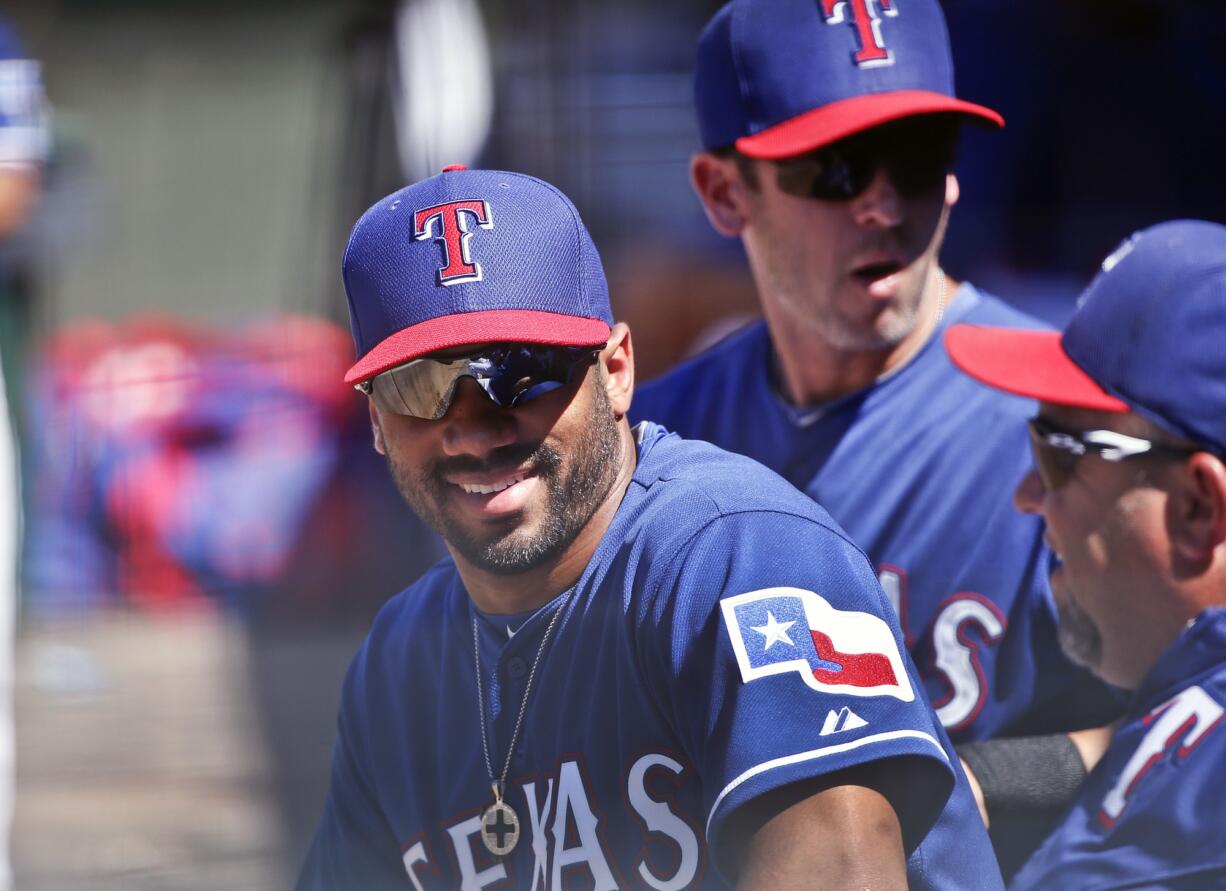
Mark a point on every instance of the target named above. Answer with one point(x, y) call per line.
point(1148, 336)
point(777, 78)
point(470, 257)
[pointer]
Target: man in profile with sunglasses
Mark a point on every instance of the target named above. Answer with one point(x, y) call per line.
point(1130, 475)
point(829, 132)
point(647, 661)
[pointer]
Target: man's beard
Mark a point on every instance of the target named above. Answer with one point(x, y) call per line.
point(1078, 636)
point(571, 498)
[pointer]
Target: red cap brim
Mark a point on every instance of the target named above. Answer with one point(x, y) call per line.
point(841, 119)
point(465, 329)
point(1026, 363)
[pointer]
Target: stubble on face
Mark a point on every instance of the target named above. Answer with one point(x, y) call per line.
point(810, 282)
point(1079, 637)
point(574, 489)
point(1105, 524)
point(886, 330)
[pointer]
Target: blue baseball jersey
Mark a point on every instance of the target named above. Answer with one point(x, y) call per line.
point(725, 640)
point(919, 469)
point(24, 136)
point(1152, 814)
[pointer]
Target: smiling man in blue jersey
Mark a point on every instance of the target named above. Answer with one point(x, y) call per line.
point(829, 132)
point(1129, 448)
point(647, 662)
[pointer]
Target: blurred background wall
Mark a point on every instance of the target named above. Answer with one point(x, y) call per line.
point(208, 531)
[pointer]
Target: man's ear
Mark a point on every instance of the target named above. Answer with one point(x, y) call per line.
point(618, 361)
point(722, 190)
point(1197, 509)
point(953, 191)
point(375, 429)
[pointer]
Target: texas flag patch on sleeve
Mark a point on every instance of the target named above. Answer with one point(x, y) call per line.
point(781, 630)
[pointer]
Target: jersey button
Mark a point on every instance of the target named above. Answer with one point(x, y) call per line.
point(516, 668)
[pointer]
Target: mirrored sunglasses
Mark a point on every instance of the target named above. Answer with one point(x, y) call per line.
point(509, 374)
point(916, 154)
point(1057, 451)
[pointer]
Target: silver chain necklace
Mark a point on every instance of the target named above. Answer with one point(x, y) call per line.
point(941, 299)
point(499, 823)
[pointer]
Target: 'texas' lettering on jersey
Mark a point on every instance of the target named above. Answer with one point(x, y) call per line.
point(963, 626)
point(1176, 728)
point(564, 835)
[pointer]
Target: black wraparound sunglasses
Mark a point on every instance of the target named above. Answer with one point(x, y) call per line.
point(510, 374)
point(917, 155)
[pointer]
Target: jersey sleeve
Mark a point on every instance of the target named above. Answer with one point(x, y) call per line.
point(353, 847)
point(778, 659)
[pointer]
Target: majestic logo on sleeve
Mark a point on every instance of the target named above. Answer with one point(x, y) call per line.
point(781, 630)
point(866, 16)
point(448, 224)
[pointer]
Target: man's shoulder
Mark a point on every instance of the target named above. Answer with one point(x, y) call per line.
point(1151, 808)
point(966, 409)
point(719, 371)
point(418, 610)
point(988, 309)
point(689, 484)
point(701, 524)
point(402, 652)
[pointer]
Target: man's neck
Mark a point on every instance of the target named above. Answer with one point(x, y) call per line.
point(810, 371)
point(501, 594)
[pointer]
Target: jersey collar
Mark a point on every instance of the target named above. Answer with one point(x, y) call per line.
point(1200, 648)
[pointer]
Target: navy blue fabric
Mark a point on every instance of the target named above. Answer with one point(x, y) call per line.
point(1150, 815)
point(1151, 328)
point(643, 734)
point(919, 469)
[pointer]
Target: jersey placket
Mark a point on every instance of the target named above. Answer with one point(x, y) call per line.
point(505, 683)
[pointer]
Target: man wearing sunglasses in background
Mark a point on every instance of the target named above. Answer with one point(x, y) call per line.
point(829, 133)
point(1130, 474)
point(648, 661)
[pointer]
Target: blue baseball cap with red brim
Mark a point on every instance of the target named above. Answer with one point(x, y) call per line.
point(1148, 336)
point(777, 78)
point(471, 257)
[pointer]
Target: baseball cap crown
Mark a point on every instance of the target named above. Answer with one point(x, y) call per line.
point(1150, 329)
point(467, 257)
point(782, 77)
point(1148, 336)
